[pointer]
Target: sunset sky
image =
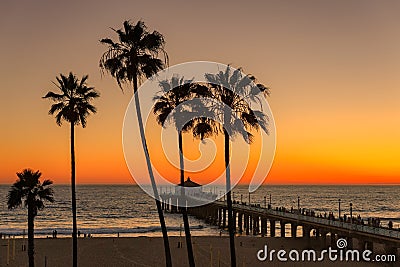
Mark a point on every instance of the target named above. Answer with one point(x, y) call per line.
point(333, 68)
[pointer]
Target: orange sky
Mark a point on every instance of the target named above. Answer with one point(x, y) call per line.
point(333, 67)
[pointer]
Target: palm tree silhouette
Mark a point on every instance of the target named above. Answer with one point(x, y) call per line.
point(133, 57)
point(72, 105)
point(34, 193)
point(169, 107)
point(234, 93)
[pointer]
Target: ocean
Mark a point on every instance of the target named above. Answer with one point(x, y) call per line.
point(105, 210)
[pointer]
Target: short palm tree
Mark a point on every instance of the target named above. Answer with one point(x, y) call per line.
point(130, 59)
point(72, 104)
point(234, 93)
point(170, 107)
point(33, 193)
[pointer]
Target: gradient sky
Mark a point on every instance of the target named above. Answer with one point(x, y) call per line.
point(333, 67)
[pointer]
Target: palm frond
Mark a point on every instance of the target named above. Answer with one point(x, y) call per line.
point(233, 80)
point(59, 118)
point(14, 198)
point(56, 107)
point(165, 85)
point(54, 96)
point(263, 120)
point(153, 41)
point(150, 65)
point(46, 194)
point(107, 41)
point(266, 90)
point(47, 182)
point(202, 130)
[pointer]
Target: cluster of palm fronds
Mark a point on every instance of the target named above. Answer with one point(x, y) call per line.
point(229, 103)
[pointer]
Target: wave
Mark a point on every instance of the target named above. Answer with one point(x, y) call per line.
point(389, 219)
point(393, 209)
point(98, 231)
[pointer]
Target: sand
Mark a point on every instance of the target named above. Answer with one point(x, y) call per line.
point(149, 251)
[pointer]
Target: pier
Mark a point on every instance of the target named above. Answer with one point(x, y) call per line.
point(267, 221)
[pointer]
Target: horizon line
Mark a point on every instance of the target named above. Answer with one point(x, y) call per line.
point(272, 184)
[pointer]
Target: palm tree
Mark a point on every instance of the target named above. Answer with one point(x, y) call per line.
point(169, 107)
point(130, 59)
point(72, 104)
point(234, 93)
point(180, 102)
point(34, 193)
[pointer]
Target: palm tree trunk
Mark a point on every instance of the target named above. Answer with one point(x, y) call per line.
point(73, 198)
point(168, 261)
point(231, 223)
point(31, 245)
point(183, 206)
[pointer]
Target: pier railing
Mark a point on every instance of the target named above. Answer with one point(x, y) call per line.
point(322, 221)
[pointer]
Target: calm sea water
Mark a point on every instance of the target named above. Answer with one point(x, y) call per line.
point(105, 210)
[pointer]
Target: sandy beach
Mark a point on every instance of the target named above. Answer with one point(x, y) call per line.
point(148, 251)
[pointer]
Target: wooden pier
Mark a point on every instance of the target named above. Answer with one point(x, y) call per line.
point(263, 221)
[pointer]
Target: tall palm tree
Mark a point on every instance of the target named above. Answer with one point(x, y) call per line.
point(169, 107)
point(72, 104)
point(234, 94)
point(29, 188)
point(130, 59)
